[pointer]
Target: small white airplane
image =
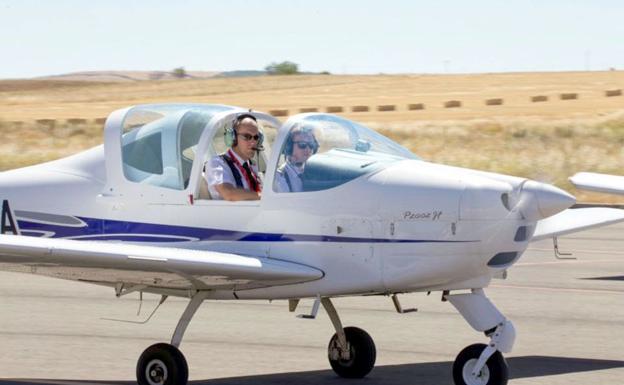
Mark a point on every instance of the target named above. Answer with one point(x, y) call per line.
point(372, 219)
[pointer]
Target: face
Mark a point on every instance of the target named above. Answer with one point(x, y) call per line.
point(245, 148)
point(301, 155)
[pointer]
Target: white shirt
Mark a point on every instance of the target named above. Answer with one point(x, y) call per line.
point(219, 172)
point(294, 177)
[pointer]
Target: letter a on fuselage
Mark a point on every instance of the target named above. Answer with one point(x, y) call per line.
point(8, 223)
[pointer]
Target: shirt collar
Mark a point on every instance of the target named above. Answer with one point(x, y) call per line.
point(297, 170)
point(236, 156)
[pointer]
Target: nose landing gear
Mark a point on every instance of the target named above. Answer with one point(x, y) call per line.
point(481, 364)
point(494, 372)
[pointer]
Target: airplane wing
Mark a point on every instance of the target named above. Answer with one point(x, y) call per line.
point(611, 184)
point(573, 220)
point(152, 269)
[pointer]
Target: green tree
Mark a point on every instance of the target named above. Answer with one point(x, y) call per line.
point(283, 68)
point(179, 73)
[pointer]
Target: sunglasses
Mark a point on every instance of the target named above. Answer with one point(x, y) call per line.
point(248, 137)
point(304, 145)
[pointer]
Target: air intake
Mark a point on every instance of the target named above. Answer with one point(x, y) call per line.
point(502, 259)
point(521, 234)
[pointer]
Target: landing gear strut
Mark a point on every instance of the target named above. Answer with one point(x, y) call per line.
point(164, 364)
point(481, 364)
point(351, 350)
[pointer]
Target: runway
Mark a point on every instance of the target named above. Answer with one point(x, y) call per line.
point(569, 317)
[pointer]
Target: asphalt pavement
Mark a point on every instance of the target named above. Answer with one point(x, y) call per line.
point(569, 318)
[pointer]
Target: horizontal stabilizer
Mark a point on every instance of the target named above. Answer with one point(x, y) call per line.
point(150, 266)
point(573, 220)
point(611, 184)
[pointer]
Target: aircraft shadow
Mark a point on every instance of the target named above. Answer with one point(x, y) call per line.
point(406, 374)
point(610, 278)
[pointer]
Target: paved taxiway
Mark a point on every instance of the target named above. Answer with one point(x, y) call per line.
point(569, 317)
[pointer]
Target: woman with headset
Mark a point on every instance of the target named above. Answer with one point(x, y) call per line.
point(299, 146)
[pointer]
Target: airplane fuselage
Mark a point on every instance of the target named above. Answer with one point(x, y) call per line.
point(413, 226)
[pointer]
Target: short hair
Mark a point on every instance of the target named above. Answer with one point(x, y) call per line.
point(299, 130)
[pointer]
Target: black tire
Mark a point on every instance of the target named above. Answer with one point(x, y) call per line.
point(495, 371)
point(162, 364)
point(363, 354)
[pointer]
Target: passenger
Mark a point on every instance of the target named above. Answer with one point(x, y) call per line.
point(233, 176)
point(299, 146)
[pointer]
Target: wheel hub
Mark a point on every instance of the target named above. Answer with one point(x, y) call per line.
point(156, 372)
point(481, 378)
point(337, 353)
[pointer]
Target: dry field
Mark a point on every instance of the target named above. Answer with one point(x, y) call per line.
point(545, 140)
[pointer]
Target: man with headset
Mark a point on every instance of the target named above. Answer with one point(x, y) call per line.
point(233, 176)
point(299, 146)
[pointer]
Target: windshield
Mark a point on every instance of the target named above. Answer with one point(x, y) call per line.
point(324, 151)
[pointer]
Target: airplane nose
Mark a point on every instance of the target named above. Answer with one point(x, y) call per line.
point(541, 200)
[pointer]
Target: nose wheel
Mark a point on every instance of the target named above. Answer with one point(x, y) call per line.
point(162, 364)
point(494, 372)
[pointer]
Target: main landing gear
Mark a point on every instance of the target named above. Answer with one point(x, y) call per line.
point(481, 364)
point(351, 350)
point(164, 364)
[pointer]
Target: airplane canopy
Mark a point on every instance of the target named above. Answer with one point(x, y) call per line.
point(161, 151)
point(341, 151)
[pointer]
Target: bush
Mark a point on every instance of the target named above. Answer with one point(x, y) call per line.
point(179, 73)
point(283, 68)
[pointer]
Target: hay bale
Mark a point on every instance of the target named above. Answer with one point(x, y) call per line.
point(452, 104)
point(609, 93)
point(386, 107)
point(416, 106)
point(539, 98)
point(278, 112)
point(49, 123)
point(308, 109)
point(16, 124)
point(568, 96)
point(76, 121)
point(99, 121)
point(359, 109)
point(494, 102)
point(334, 109)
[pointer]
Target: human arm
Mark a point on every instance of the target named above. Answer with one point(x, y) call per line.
point(232, 193)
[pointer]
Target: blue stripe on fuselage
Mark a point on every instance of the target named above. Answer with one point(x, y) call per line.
point(106, 229)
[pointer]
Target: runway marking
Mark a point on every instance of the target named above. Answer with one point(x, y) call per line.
point(559, 289)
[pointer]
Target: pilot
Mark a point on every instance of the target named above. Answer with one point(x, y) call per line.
point(233, 176)
point(300, 145)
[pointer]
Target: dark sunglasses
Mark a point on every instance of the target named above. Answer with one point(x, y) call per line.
point(248, 137)
point(304, 145)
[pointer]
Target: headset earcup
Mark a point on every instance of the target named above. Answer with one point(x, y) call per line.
point(261, 138)
point(229, 137)
point(288, 149)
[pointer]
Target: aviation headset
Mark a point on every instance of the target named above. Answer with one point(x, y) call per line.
point(289, 145)
point(231, 136)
